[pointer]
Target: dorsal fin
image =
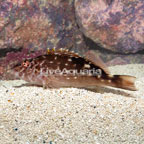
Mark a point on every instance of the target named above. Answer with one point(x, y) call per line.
point(62, 51)
point(91, 56)
point(50, 50)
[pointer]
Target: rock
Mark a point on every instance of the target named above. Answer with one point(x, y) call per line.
point(116, 25)
point(28, 28)
point(111, 58)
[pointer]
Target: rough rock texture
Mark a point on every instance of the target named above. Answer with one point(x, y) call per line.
point(115, 58)
point(29, 27)
point(112, 59)
point(33, 26)
point(117, 25)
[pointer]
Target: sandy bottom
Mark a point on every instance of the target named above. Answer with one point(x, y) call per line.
point(72, 116)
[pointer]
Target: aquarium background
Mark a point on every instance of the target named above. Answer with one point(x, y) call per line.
point(113, 30)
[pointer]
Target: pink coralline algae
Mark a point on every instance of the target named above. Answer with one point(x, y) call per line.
point(29, 26)
point(115, 25)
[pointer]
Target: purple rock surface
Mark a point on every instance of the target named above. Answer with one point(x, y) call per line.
point(116, 25)
point(29, 27)
point(111, 58)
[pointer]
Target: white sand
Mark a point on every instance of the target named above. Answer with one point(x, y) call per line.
point(73, 116)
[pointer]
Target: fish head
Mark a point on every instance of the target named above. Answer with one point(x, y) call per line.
point(20, 70)
point(21, 66)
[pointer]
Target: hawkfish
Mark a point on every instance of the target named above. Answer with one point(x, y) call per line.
point(62, 68)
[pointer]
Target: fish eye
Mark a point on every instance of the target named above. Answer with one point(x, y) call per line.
point(25, 63)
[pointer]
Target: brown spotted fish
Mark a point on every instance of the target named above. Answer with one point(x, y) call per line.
point(62, 68)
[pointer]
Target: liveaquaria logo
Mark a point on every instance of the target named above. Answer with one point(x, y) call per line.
point(75, 72)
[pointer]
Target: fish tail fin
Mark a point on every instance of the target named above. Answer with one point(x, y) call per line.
point(124, 82)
